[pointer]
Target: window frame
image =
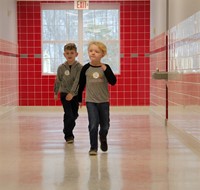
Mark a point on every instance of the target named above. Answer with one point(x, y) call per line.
point(81, 41)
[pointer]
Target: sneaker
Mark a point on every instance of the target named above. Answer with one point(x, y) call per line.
point(93, 152)
point(70, 140)
point(104, 145)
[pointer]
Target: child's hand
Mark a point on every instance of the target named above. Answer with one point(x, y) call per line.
point(69, 97)
point(55, 97)
point(80, 104)
point(103, 66)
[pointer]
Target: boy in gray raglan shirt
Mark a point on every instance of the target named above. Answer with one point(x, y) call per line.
point(96, 76)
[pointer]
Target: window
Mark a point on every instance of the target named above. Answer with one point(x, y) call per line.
point(62, 24)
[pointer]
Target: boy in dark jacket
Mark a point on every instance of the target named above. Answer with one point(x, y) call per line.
point(67, 84)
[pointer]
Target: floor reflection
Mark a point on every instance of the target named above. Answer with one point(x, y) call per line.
point(71, 172)
point(99, 178)
point(143, 155)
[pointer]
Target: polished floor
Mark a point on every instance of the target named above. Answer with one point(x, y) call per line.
point(143, 154)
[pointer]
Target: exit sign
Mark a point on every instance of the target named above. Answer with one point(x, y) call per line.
point(81, 4)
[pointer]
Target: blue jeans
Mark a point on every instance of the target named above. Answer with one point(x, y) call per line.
point(98, 114)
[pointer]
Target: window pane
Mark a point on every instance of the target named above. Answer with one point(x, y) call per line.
point(52, 57)
point(58, 27)
point(102, 25)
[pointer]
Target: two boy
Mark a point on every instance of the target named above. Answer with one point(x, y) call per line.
point(95, 76)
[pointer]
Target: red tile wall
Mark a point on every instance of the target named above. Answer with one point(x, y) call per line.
point(132, 88)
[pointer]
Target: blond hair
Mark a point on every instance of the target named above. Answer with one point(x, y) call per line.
point(100, 45)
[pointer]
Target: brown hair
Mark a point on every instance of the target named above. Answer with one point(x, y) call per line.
point(70, 46)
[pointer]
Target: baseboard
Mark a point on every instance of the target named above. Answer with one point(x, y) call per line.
point(126, 109)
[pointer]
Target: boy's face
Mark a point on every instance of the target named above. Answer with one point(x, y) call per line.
point(70, 55)
point(95, 53)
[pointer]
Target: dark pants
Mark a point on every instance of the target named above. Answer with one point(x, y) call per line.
point(98, 114)
point(70, 114)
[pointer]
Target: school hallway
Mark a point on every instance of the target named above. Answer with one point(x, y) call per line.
point(143, 154)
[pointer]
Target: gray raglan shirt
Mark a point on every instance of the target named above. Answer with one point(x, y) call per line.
point(96, 81)
point(67, 78)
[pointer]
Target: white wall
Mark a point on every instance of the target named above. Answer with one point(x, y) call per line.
point(158, 17)
point(178, 10)
point(8, 20)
